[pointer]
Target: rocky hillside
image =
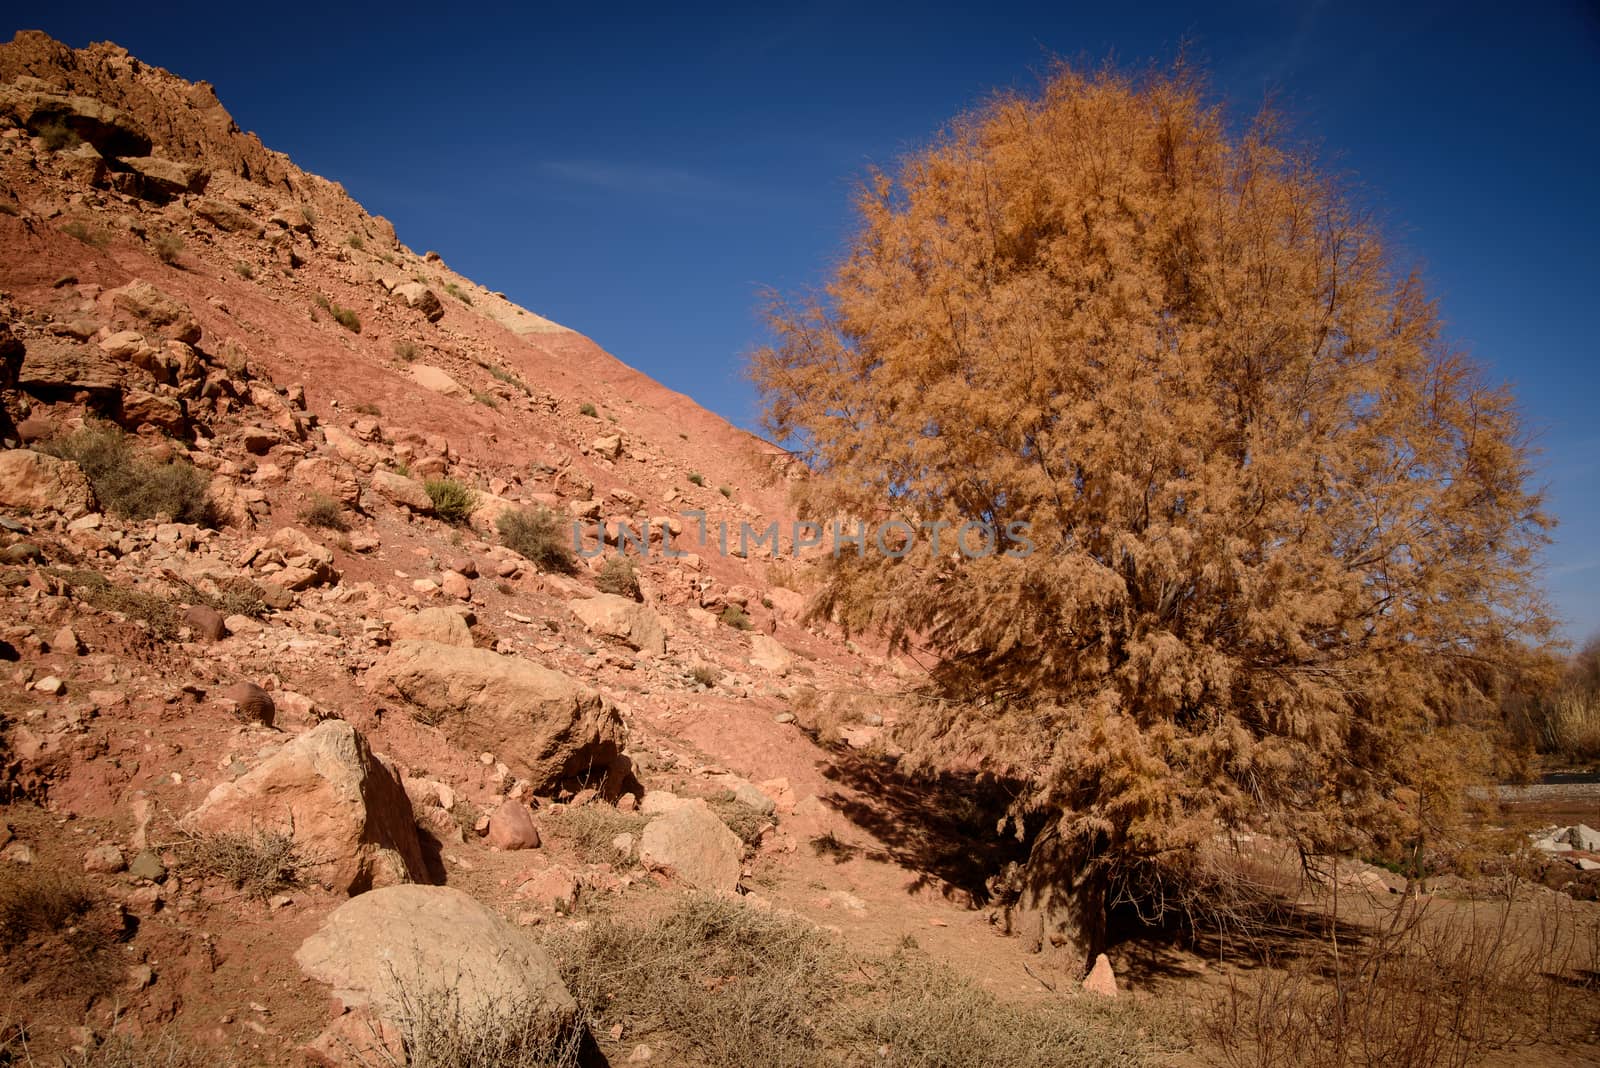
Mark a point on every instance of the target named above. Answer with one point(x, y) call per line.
point(257, 595)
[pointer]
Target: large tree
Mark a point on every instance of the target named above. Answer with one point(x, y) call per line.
point(1283, 534)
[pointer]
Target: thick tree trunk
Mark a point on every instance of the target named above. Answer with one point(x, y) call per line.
point(1061, 910)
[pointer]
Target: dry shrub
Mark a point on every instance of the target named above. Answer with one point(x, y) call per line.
point(617, 575)
point(590, 828)
point(720, 984)
point(705, 675)
point(742, 820)
point(538, 535)
point(731, 985)
point(921, 1012)
point(324, 513)
point(437, 1031)
point(260, 862)
point(735, 617)
point(160, 1050)
point(56, 941)
point(168, 247)
point(131, 485)
point(158, 614)
point(1571, 725)
point(1423, 991)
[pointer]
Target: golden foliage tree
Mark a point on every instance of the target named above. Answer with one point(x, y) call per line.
point(1283, 535)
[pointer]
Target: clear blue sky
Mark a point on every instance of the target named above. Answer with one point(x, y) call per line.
point(639, 176)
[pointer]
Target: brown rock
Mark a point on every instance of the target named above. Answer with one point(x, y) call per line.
point(207, 624)
point(693, 846)
point(254, 704)
point(440, 625)
point(511, 827)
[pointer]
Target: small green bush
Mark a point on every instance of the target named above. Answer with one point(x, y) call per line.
point(457, 292)
point(357, 242)
point(735, 617)
point(704, 675)
point(244, 270)
point(618, 576)
point(540, 536)
point(132, 486)
point(725, 491)
point(488, 400)
point(589, 410)
point(697, 478)
point(452, 501)
point(405, 351)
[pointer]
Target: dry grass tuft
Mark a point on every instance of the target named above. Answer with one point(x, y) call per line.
point(540, 536)
point(590, 828)
point(133, 486)
point(260, 863)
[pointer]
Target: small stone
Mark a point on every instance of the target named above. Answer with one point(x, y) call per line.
point(66, 641)
point(50, 685)
point(455, 584)
point(1101, 979)
point(511, 827)
point(141, 976)
point(783, 717)
point(104, 860)
point(206, 622)
point(147, 865)
point(254, 703)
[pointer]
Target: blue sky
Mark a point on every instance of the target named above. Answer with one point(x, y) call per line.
point(639, 176)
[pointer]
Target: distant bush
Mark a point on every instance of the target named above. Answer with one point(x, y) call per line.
point(539, 535)
point(488, 400)
point(697, 478)
point(507, 377)
point(735, 617)
point(58, 136)
point(81, 231)
point(725, 491)
point(132, 486)
point(589, 410)
point(357, 242)
point(457, 292)
point(452, 500)
point(324, 513)
point(345, 317)
point(405, 351)
point(168, 247)
point(617, 575)
point(704, 675)
point(244, 270)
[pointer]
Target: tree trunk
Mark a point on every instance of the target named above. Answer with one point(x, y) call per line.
point(1061, 911)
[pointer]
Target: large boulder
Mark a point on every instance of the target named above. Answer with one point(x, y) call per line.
point(36, 481)
point(432, 378)
point(770, 655)
point(622, 618)
point(163, 179)
point(344, 806)
point(148, 304)
point(398, 489)
point(545, 726)
point(38, 107)
point(418, 296)
point(439, 625)
point(55, 365)
point(406, 944)
point(693, 846)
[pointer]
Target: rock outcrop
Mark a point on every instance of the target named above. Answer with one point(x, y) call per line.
point(546, 726)
point(345, 808)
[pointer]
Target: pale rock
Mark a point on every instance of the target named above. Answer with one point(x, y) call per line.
point(693, 846)
point(442, 625)
point(393, 946)
point(343, 805)
point(622, 618)
point(545, 725)
point(36, 482)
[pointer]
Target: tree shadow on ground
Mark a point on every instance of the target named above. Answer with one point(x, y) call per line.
point(943, 827)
